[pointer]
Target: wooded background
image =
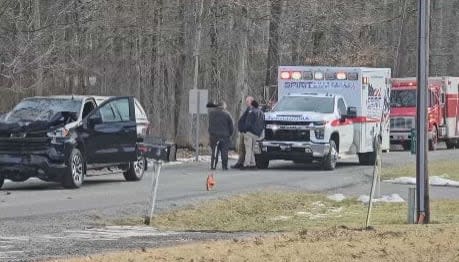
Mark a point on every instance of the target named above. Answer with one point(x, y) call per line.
point(147, 48)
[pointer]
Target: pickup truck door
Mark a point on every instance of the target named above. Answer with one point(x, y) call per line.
point(109, 132)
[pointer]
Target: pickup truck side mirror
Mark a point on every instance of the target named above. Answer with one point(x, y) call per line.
point(351, 112)
point(92, 121)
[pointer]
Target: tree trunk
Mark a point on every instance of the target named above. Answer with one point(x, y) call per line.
point(273, 46)
point(38, 47)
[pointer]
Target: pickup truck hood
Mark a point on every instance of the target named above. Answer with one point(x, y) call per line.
point(60, 119)
point(298, 116)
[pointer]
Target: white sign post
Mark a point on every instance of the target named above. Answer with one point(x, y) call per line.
point(150, 208)
point(197, 105)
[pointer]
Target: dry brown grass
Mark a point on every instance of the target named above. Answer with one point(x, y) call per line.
point(325, 231)
point(445, 168)
point(288, 211)
point(394, 243)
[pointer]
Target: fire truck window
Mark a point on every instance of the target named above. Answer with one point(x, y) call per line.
point(403, 98)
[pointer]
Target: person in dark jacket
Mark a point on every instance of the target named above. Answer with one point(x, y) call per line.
point(253, 127)
point(240, 125)
point(221, 127)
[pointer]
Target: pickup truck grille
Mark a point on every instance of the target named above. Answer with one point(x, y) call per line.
point(288, 135)
point(402, 123)
point(23, 145)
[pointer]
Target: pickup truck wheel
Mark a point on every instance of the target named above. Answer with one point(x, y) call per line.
point(2, 180)
point(136, 169)
point(261, 162)
point(434, 141)
point(75, 170)
point(329, 161)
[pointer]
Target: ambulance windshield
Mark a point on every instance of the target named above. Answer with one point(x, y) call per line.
point(403, 98)
point(306, 104)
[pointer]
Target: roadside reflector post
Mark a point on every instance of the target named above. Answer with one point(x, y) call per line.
point(411, 205)
point(376, 180)
point(150, 208)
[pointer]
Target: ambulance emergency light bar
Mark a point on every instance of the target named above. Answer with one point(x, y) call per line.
point(318, 75)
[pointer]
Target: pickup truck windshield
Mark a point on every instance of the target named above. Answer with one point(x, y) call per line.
point(403, 98)
point(306, 104)
point(41, 109)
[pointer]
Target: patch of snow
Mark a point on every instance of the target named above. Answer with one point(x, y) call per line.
point(394, 198)
point(434, 181)
point(439, 181)
point(201, 158)
point(363, 198)
point(281, 218)
point(337, 197)
point(318, 204)
point(336, 210)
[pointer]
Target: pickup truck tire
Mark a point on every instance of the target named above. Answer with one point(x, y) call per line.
point(136, 169)
point(2, 180)
point(75, 171)
point(261, 162)
point(329, 161)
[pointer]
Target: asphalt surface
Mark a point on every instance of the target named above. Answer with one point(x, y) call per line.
point(41, 220)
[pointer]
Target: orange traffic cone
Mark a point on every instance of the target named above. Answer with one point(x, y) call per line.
point(210, 182)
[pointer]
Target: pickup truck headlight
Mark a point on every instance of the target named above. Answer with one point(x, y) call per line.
point(319, 133)
point(59, 133)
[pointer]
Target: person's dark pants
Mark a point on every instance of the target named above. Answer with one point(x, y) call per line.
point(223, 144)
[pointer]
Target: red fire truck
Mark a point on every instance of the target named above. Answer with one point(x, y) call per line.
point(443, 111)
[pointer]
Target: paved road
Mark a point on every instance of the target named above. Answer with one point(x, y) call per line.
point(51, 217)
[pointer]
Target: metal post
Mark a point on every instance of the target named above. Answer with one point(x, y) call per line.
point(411, 205)
point(198, 113)
point(153, 190)
point(422, 177)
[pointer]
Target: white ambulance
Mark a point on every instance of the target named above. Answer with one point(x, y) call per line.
point(325, 113)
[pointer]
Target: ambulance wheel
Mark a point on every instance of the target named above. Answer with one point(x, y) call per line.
point(261, 162)
point(329, 161)
point(433, 143)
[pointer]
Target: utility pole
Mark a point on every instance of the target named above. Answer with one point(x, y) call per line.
point(197, 46)
point(422, 174)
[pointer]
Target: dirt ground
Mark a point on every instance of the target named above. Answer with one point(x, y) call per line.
point(399, 243)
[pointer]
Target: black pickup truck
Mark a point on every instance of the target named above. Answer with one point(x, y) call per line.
point(60, 138)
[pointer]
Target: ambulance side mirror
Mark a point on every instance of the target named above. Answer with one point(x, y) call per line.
point(351, 112)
